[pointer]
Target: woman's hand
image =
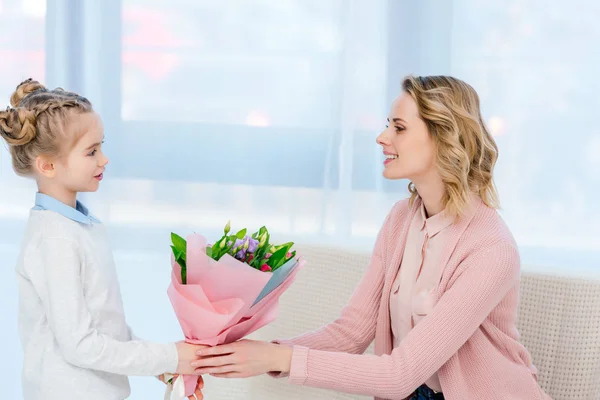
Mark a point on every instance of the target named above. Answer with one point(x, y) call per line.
point(197, 393)
point(243, 359)
point(187, 354)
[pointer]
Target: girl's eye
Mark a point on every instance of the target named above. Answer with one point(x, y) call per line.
point(93, 153)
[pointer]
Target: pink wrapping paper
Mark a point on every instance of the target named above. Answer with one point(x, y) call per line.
point(215, 306)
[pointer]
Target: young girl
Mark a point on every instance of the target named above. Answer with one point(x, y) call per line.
point(76, 342)
point(440, 295)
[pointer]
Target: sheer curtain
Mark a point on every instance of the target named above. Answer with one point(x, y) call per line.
point(266, 113)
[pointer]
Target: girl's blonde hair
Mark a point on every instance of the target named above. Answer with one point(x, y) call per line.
point(465, 150)
point(35, 124)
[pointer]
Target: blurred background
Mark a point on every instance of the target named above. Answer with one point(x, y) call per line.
point(265, 112)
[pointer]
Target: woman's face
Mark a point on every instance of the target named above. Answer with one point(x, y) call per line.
point(407, 145)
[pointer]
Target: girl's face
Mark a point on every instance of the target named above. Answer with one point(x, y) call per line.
point(81, 170)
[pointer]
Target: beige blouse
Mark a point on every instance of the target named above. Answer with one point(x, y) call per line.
point(420, 272)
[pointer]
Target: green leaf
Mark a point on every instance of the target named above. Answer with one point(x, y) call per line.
point(281, 255)
point(261, 250)
point(259, 232)
point(179, 243)
point(288, 245)
point(180, 259)
point(209, 251)
point(231, 245)
point(267, 244)
point(178, 255)
point(277, 257)
point(177, 240)
point(241, 234)
point(259, 256)
point(215, 249)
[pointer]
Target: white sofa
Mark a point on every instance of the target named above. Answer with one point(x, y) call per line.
point(559, 322)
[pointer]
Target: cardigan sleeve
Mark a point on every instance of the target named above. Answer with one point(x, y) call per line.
point(485, 279)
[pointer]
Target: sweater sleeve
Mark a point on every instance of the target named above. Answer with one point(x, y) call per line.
point(56, 266)
point(132, 333)
point(487, 278)
point(354, 329)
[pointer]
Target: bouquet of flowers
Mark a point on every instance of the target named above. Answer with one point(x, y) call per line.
point(222, 292)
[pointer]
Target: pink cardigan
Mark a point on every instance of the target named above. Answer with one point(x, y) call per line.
point(470, 337)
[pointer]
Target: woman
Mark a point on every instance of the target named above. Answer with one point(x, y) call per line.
point(440, 294)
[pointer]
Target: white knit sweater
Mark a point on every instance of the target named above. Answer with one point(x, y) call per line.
point(76, 342)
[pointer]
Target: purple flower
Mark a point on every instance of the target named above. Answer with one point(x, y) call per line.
point(252, 245)
point(240, 255)
point(241, 251)
point(244, 246)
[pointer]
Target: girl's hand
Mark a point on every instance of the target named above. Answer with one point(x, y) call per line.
point(197, 393)
point(243, 359)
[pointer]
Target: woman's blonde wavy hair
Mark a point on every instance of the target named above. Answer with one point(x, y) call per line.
point(465, 150)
